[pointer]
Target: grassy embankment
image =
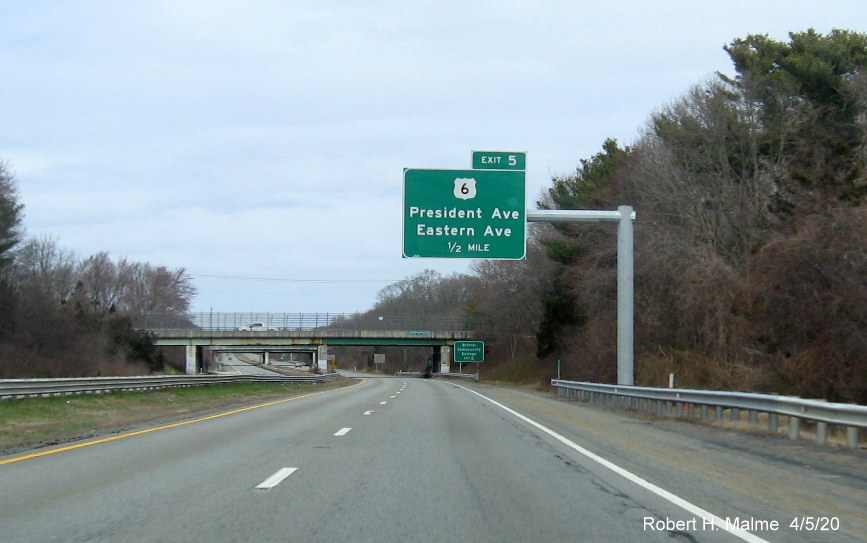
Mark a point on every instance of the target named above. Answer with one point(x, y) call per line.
point(33, 422)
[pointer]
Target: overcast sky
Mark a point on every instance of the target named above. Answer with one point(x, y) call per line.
point(260, 145)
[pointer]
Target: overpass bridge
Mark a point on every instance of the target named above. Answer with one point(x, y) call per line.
point(302, 332)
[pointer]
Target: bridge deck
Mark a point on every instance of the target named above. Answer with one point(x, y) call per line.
point(198, 336)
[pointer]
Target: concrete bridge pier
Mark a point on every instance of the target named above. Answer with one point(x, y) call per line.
point(320, 358)
point(194, 359)
point(445, 358)
point(441, 359)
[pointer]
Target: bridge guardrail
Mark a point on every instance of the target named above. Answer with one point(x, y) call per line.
point(683, 402)
point(27, 388)
point(304, 321)
point(324, 333)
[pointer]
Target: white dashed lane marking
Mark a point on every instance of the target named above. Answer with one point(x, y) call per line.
point(276, 479)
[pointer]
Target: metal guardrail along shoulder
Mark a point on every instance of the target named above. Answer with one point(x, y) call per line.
point(25, 388)
point(850, 416)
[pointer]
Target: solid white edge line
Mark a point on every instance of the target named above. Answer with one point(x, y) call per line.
point(659, 491)
point(276, 479)
point(342, 432)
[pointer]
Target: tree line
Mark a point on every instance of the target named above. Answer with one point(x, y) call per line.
point(750, 242)
point(61, 315)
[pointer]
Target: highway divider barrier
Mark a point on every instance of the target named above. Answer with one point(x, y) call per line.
point(30, 388)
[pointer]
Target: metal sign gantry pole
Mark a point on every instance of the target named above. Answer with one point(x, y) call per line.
point(625, 275)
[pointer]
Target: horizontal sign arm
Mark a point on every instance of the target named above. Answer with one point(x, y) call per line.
point(575, 215)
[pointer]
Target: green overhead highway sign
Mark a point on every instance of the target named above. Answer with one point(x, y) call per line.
point(499, 160)
point(469, 351)
point(464, 214)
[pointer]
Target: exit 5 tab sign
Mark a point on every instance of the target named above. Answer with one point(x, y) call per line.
point(464, 214)
point(499, 160)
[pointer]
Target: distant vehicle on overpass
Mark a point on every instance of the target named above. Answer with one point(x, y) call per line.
point(258, 327)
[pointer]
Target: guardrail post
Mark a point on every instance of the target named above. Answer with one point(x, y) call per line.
point(719, 412)
point(704, 412)
point(852, 437)
point(773, 422)
point(794, 428)
point(736, 414)
point(822, 433)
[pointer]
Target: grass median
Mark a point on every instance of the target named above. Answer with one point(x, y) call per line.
point(37, 422)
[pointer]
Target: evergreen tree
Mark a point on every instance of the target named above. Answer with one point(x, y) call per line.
point(10, 219)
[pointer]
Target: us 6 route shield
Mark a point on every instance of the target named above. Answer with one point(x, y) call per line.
point(464, 214)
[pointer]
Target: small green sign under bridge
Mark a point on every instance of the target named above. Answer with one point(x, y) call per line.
point(469, 351)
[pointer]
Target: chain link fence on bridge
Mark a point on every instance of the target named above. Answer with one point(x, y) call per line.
point(304, 321)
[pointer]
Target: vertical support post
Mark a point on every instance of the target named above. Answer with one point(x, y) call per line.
point(625, 274)
point(445, 359)
point(852, 437)
point(794, 428)
point(625, 297)
point(192, 366)
point(822, 433)
point(321, 358)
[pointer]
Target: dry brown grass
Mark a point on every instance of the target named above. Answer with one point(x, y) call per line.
point(35, 422)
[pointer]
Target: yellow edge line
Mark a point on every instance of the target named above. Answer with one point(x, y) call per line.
point(167, 426)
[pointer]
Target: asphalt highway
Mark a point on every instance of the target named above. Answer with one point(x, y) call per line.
point(396, 460)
